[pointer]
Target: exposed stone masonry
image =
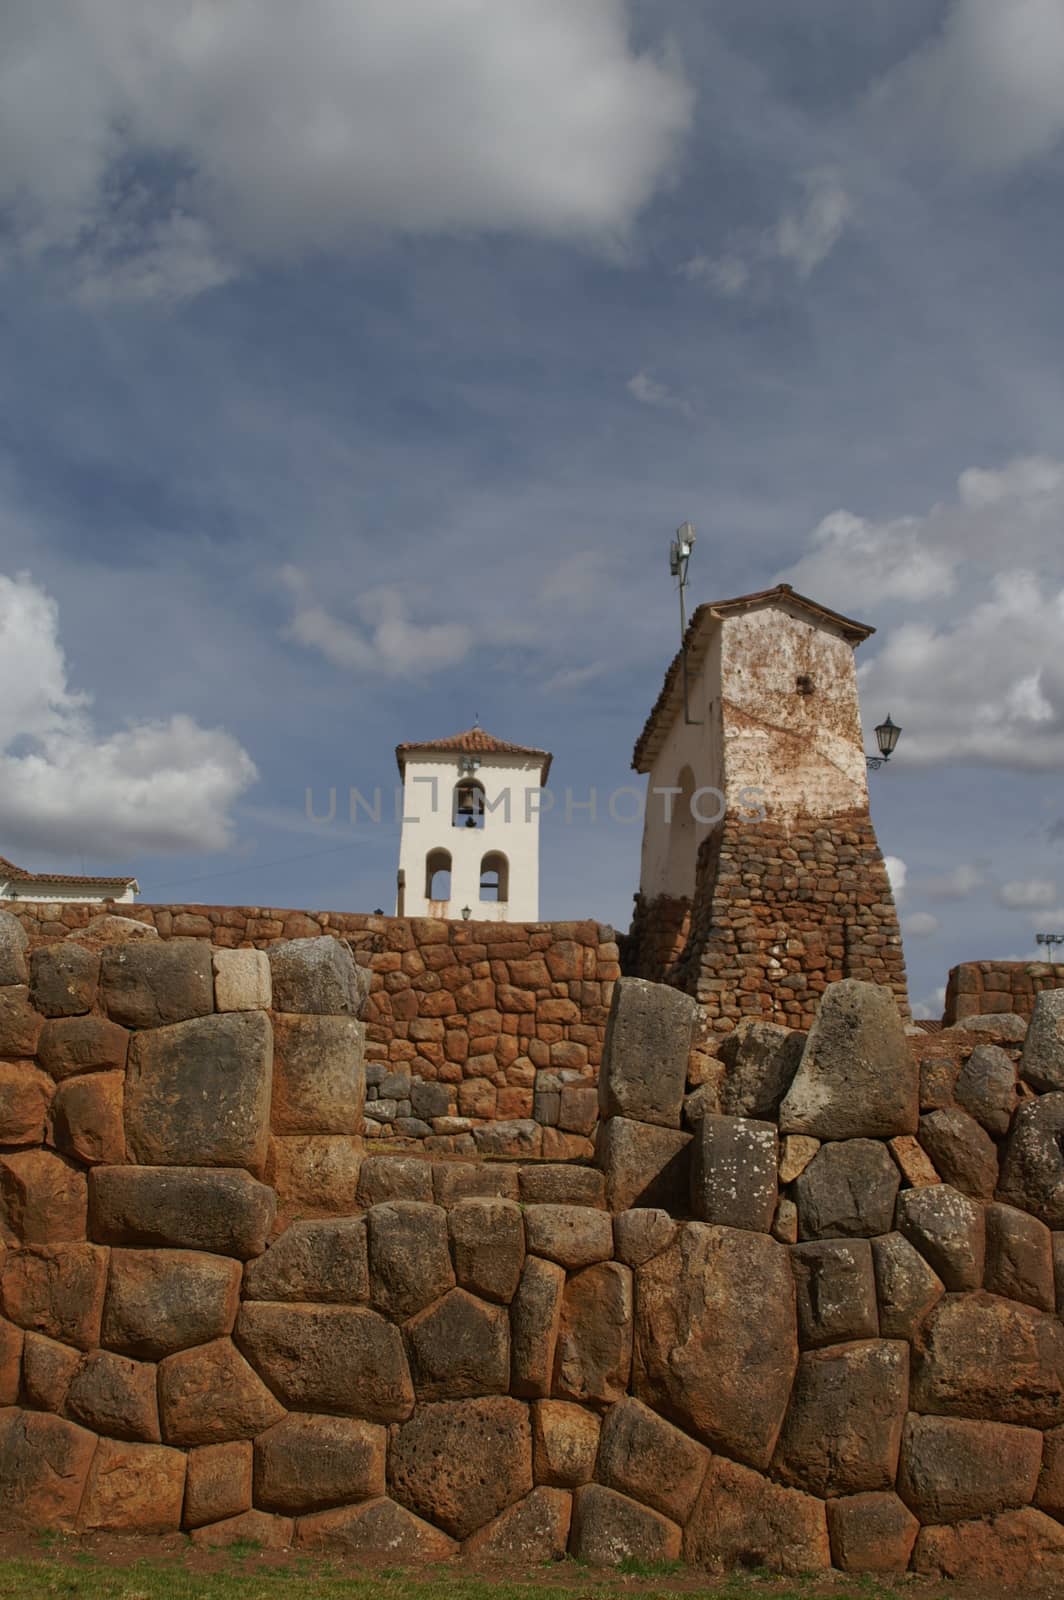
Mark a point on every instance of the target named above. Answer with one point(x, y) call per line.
point(985, 987)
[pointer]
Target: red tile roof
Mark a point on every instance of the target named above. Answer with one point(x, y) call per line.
point(9, 870)
point(474, 741)
point(855, 632)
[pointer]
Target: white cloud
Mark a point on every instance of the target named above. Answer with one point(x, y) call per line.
point(802, 238)
point(570, 679)
point(165, 143)
point(898, 873)
point(957, 884)
point(649, 392)
point(726, 275)
point(1023, 894)
point(385, 641)
point(166, 785)
point(969, 663)
point(986, 91)
point(920, 925)
point(931, 1007)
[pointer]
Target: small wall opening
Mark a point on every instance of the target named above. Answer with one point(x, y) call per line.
point(468, 804)
point(438, 875)
point(495, 877)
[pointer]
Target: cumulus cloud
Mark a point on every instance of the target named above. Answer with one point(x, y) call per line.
point(802, 238)
point(987, 90)
point(65, 787)
point(957, 884)
point(920, 925)
point(1026, 893)
point(164, 144)
point(384, 641)
point(932, 1006)
point(898, 873)
point(649, 392)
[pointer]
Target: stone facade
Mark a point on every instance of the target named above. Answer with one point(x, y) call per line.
point(984, 987)
point(827, 1334)
point(477, 1034)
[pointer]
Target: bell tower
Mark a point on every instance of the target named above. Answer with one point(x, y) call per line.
point(470, 835)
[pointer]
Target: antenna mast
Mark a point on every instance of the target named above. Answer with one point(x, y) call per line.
point(679, 557)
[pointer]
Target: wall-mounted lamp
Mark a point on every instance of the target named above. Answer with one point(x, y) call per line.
point(887, 735)
point(469, 764)
point(466, 913)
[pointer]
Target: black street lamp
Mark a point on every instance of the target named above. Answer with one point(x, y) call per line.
point(887, 735)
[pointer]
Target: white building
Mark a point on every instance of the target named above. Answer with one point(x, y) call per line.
point(470, 834)
point(62, 887)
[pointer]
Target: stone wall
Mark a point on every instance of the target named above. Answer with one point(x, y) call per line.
point(804, 1314)
point(779, 911)
point(479, 1034)
point(980, 988)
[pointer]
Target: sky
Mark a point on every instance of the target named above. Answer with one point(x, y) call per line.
point(359, 361)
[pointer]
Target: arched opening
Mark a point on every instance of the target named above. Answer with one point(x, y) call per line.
point(495, 877)
point(438, 875)
point(468, 803)
point(680, 868)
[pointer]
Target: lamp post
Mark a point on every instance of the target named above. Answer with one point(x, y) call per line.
point(1049, 940)
point(679, 559)
point(887, 735)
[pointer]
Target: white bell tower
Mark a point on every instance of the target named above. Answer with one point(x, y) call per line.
point(470, 836)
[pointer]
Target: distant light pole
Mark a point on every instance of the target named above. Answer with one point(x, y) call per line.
point(679, 558)
point(887, 735)
point(1049, 940)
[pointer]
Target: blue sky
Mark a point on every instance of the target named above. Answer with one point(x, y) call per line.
point(359, 360)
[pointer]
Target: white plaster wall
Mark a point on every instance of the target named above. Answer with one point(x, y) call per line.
point(695, 745)
point(805, 752)
point(425, 829)
point(63, 894)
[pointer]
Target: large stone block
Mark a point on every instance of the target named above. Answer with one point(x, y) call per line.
point(317, 977)
point(198, 1093)
point(964, 1154)
point(116, 1396)
point(835, 1287)
point(14, 941)
point(56, 1290)
point(535, 1319)
point(255, 1529)
point(1042, 1062)
point(194, 1208)
point(133, 1488)
point(906, 1287)
point(987, 1358)
point(219, 1482)
point(609, 1528)
point(25, 1099)
point(162, 1301)
point(459, 1346)
point(949, 1231)
point(857, 1078)
point(48, 1370)
point(63, 979)
point(1049, 1496)
point(391, 1177)
point(953, 1468)
point(488, 1239)
point(409, 1259)
point(716, 1337)
point(241, 980)
point(844, 1424)
point(460, 1463)
point(565, 1440)
point(209, 1395)
point(644, 1456)
point(986, 1088)
point(314, 1174)
point(734, 1166)
point(644, 1165)
point(319, 1083)
point(20, 1024)
point(69, 1045)
point(642, 1233)
point(344, 1359)
point(1016, 1549)
point(593, 1360)
point(308, 1463)
point(574, 1236)
point(1019, 1257)
point(472, 1180)
point(1032, 1172)
point(12, 1340)
point(376, 1530)
point(558, 1184)
point(871, 1533)
point(44, 1466)
point(87, 1119)
point(536, 1529)
point(740, 1518)
point(847, 1191)
point(150, 983)
point(322, 1261)
point(760, 1061)
point(43, 1198)
point(644, 1057)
